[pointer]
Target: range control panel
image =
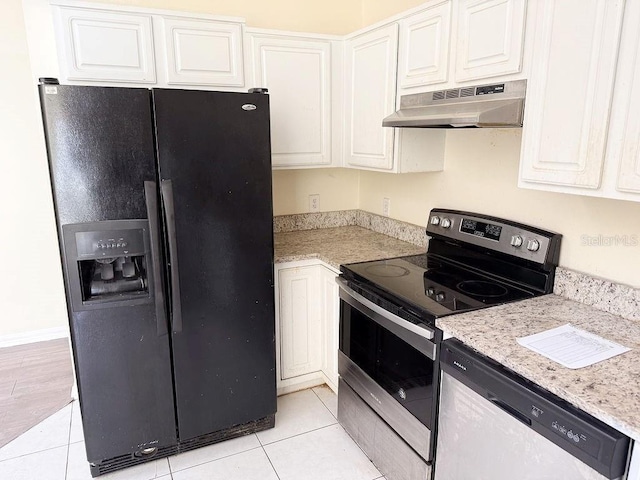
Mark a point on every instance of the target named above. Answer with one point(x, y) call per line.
point(110, 243)
point(529, 243)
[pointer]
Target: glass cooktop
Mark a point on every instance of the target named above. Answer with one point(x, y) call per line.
point(434, 286)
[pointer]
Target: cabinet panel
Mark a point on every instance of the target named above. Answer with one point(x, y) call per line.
point(423, 57)
point(201, 52)
point(331, 319)
point(370, 67)
point(490, 38)
point(98, 45)
point(625, 139)
point(300, 322)
point(297, 74)
point(569, 92)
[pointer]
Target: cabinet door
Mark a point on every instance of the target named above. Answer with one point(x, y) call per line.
point(297, 73)
point(300, 321)
point(97, 45)
point(569, 92)
point(331, 319)
point(370, 69)
point(423, 57)
point(489, 39)
point(203, 52)
point(626, 104)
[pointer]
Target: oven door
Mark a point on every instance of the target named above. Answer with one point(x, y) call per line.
point(391, 364)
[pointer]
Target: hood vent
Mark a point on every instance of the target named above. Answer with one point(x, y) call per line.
point(495, 105)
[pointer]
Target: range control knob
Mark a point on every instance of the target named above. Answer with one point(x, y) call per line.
point(431, 292)
point(533, 245)
point(516, 241)
point(435, 220)
point(440, 296)
point(445, 222)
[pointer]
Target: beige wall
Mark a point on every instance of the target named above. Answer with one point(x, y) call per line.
point(31, 293)
point(327, 16)
point(481, 174)
point(337, 187)
point(375, 10)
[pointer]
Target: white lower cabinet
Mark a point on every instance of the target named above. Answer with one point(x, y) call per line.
point(330, 323)
point(306, 325)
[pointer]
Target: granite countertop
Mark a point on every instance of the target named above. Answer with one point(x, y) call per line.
point(608, 390)
point(336, 246)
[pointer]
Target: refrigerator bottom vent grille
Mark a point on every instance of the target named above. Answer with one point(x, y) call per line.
point(229, 433)
point(129, 460)
point(124, 461)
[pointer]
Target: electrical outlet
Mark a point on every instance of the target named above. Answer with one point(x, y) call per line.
point(314, 202)
point(386, 207)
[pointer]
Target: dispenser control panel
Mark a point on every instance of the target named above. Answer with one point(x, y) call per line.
point(110, 243)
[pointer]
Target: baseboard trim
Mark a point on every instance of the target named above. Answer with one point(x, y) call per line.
point(43, 335)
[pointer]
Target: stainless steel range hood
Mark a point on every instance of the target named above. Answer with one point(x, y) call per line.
point(491, 105)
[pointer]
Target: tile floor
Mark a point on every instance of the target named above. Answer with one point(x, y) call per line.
point(306, 443)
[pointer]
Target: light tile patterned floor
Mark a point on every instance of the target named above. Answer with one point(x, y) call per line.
point(306, 443)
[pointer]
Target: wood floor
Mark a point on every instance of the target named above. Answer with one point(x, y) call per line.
point(35, 382)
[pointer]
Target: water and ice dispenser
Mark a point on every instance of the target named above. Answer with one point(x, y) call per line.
point(108, 262)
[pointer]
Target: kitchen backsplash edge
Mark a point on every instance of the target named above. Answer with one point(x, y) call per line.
point(404, 231)
point(605, 295)
point(599, 293)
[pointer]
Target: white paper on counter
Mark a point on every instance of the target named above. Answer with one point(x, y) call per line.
point(572, 347)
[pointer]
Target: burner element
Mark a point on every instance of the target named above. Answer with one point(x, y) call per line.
point(387, 270)
point(482, 288)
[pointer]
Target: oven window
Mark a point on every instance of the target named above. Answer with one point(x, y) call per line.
point(404, 372)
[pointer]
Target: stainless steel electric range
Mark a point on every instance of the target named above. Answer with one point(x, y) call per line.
point(389, 343)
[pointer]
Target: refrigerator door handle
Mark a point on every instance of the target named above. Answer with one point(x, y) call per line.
point(166, 189)
point(154, 236)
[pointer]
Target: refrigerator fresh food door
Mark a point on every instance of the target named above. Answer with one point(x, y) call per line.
point(215, 171)
point(101, 152)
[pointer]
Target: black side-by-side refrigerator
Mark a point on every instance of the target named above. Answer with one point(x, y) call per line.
point(164, 215)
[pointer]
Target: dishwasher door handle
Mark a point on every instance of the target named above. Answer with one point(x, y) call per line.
point(509, 409)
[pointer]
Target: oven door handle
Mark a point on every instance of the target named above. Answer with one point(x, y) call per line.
point(422, 331)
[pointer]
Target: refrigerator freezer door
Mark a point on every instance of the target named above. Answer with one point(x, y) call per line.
point(100, 145)
point(101, 152)
point(215, 149)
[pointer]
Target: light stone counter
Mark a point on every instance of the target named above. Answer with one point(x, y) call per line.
point(336, 246)
point(608, 390)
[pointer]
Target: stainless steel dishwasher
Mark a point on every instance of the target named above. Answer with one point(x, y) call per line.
point(495, 425)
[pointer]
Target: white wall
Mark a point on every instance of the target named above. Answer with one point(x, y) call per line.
point(481, 174)
point(31, 292)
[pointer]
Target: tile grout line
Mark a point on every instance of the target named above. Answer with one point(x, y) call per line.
point(303, 433)
point(210, 461)
point(66, 465)
point(322, 401)
point(271, 463)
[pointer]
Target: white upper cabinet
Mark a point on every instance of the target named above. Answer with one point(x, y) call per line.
point(570, 93)
point(370, 93)
point(297, 72)
point(96, 45)
point(490, 37)
point(423, 56)
point(203, 52)
point(622, 166)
